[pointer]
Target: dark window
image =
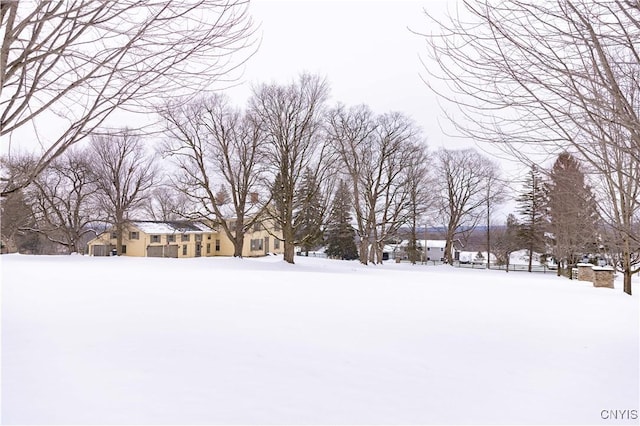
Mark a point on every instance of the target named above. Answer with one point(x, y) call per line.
point(208, 248)
point(198, 237)
point(124, 249)
point(184, 250)
point(184, 237)
point(171, 238)
point(217, 245)
point(276, 244)
point(114, 235)
point(155, 238)
point(134, 235)
point(256, 244)
point(257, 226)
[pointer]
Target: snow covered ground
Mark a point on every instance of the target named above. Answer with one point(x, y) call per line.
point(203, 341)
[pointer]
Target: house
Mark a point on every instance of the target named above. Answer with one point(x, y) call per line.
point(434, 250)
point(183, 239)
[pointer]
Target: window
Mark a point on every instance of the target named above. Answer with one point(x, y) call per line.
point(441, 248)
point(217, 245)
point(276, 244)
point(134, 235)
point(171, 238)
point(198, 237)
point(208, 248)
point(184, 250)
point(124, 249)
point(155, 238)
point(256, 244)
point(184, 237)
point(257, 226)
point(254, 198)
point(276, 226)
point(114, 235)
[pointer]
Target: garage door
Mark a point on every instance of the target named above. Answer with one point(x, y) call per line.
point(155, 251)
point(171, 251)
point(162, 251)
point(102, 250)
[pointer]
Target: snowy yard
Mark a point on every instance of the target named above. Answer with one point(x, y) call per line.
point(211, 340)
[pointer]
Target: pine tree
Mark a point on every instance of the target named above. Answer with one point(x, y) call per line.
point(532, 208)
point(309, 213)
point(340, 235)
point(572, 211)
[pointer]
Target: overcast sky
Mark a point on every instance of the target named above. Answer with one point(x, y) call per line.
point(363, 48)
point(367, 53)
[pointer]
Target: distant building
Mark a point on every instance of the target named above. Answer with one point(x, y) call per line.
point(431, 250)
point(434, 249)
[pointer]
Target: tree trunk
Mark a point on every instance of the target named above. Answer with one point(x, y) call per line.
point(530, 259)
point(364, 251)
point(447, 250)
point(626, 269)
point(627, 282)
point(289, 251)
point(238, 244)
point(119, 237)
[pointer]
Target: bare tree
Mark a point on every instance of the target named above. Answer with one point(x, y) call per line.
point(124, 175)
point(68, 65)
point(220, 154)
point(536, 78)
point(379, 155)
point(495, 195)
point(62, 197)
point(350, 133)
point(420, 197)
point(463, 178)
point(290, 117)
point(167, 203)
point(506, 241)
point(617, 183)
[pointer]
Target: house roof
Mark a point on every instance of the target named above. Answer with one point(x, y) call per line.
point(171, 227)
point(434, 243)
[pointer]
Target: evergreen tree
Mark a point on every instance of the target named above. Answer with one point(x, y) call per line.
point(340, 234)
point(572, 212)
point(308, 213)
point(532, 208)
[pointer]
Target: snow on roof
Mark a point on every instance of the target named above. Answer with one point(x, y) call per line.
point(434, 243)
point(171, 227)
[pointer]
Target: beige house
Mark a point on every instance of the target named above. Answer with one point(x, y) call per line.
point(184, 239)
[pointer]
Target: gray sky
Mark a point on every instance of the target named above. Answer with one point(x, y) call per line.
point(367, 53)
point(364, 48)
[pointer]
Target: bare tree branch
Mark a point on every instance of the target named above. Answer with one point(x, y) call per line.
point(65, 67)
